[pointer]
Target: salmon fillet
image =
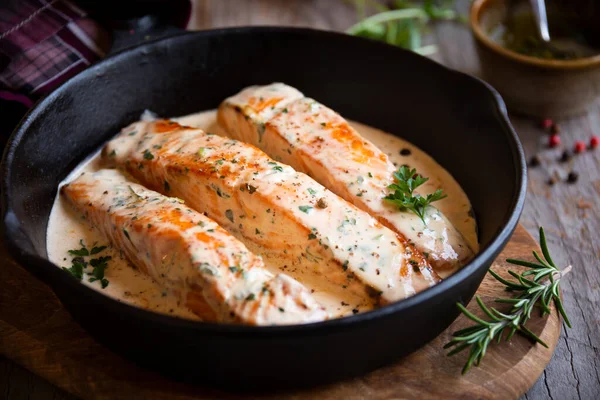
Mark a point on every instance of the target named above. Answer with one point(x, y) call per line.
point(273, 209)
point(314, 139)
point(187, 253)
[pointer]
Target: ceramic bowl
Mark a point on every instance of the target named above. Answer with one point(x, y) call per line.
point(530, 85)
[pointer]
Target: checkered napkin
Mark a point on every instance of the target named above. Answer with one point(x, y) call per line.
point(43, 43)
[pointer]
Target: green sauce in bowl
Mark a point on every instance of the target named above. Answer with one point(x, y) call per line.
point(517, 32)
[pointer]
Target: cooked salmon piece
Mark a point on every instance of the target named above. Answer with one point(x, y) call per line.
point(274, 210)
point(212, 272)
point(314, 139)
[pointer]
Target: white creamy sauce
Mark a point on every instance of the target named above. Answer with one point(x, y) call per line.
point(66, 229)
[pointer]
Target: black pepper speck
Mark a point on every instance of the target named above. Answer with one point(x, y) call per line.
point(572, 177)
point(565, 156)
point(534, 161)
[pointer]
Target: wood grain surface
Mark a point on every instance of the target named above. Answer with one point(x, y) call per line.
point(38, 333)
point(570, 213)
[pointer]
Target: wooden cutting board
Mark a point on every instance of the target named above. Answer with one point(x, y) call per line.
point(39, 334)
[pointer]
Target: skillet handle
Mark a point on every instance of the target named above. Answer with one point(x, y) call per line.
point(140, 30)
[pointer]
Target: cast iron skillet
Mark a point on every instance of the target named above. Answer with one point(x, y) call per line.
point(457, 119)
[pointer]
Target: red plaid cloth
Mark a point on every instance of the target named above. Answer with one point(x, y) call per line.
point(45, 42)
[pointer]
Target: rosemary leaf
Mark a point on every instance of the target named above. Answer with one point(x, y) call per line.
point(540, 291)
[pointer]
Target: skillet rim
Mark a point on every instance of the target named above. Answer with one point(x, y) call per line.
point(490, 251)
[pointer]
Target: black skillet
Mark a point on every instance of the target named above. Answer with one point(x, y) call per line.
point(457, 119)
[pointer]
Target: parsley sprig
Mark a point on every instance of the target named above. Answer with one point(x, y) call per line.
point(407, 180)
point(403, 23)
point(537, 286)
point(79, 264)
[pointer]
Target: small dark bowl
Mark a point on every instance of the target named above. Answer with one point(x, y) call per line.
point(533, 86)
point(457, 119)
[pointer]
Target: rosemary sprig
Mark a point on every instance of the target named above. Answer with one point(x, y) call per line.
point(407, 180)
point(402, 23)
point(538, 286)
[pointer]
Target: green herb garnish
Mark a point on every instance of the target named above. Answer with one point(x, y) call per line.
point(79, 264)
point(305, 209)
point(83, 251)
point(540, 290)
point(404, 23)
point(148, 155)
point(407, 180)
point(96, 250)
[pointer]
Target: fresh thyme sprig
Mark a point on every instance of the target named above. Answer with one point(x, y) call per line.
point(540, 291)
point(403, 22)
point(407, 180)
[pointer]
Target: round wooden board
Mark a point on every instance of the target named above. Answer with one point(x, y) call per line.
point(38, 333)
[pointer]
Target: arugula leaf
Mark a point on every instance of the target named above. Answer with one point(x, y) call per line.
point(407, 180)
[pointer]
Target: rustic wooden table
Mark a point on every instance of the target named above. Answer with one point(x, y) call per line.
point(569, 212)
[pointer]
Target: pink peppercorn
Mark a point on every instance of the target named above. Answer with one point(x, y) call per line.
point(554, 140)
point(546, 123)
point(594, 142)
point(579, 147)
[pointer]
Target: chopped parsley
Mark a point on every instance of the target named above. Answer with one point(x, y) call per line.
point(305, 209)
point(148, 155)
point(79, 264)
point(96, 250)
point(311, 191)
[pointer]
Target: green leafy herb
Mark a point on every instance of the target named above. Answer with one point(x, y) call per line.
point(96, 250)
point(538, 286)
point(305, 209)
point(76, 270)
point(407, 180)
point(311, 191)
point(79, 264)
point(83, 251)
point(403, 23)
point(148, 155)
point(234, 269)
point(99, 265)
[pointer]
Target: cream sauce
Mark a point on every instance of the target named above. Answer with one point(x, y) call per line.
point(66, 229)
